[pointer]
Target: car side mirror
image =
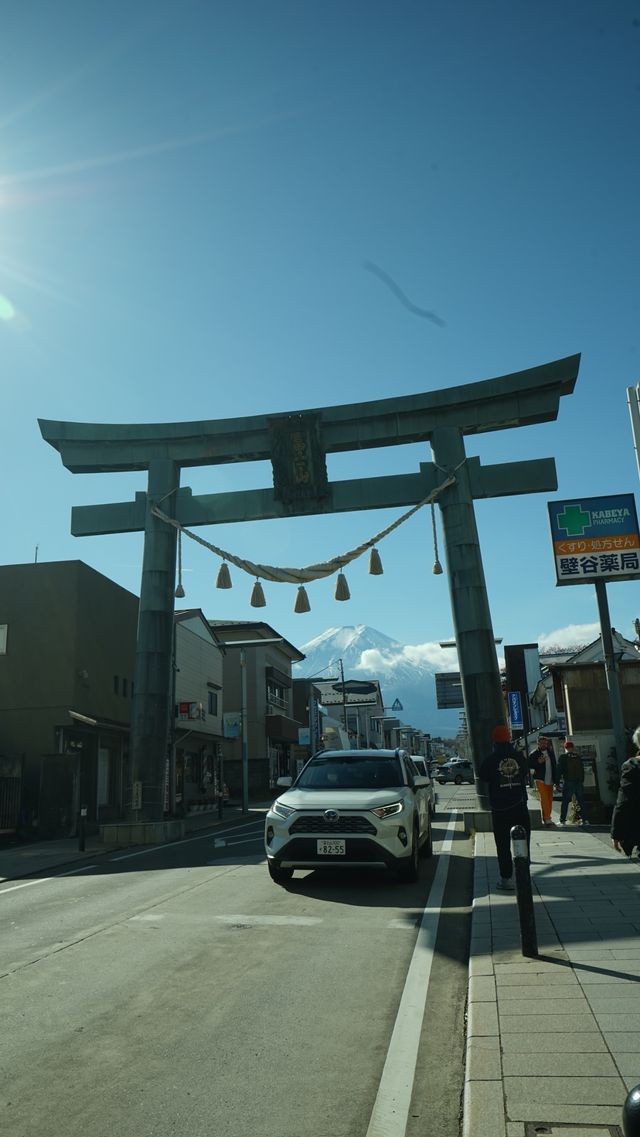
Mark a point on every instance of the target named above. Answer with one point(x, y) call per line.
point(420, 781)
point(285, 782)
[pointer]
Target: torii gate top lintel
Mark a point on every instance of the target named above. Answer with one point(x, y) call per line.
point(518, 399)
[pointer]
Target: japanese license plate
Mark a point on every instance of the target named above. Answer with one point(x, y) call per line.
point(335, 848)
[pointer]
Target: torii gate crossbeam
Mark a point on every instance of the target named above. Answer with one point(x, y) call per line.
point(297, 444)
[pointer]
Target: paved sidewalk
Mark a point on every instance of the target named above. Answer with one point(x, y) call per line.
point(22, 860)
point(554, 1039)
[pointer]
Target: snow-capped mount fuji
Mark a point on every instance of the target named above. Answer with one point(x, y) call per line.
point(404, 671)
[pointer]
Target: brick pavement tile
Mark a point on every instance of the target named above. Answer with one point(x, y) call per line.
point(524, 966)
point(628, 1065)
point(514, 994)
point(483, 1110)
point(559, 1064)
point(619, 975)
point(483, 1061)
point(590, 954)
point(559, 977)
point(623, 1003)
point(527, 1110)
point(575, 1005)
point(565, 1091)
point(625, 1022)
point(516, 1129)
point(588, 1042)
point(548, 1024)
point(483, 1019)
point(481, 964)
point(480, 945)
point(482, 989)
point(622, 1041)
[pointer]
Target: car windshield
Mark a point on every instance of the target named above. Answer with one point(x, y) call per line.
point(350, 772)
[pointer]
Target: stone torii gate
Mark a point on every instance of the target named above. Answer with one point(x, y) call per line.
point(297, 444)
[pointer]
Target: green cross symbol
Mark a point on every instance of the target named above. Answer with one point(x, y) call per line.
point(574, 520)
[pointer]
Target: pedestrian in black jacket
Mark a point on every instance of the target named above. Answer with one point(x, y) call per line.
point(506, 773)
point(625, 823)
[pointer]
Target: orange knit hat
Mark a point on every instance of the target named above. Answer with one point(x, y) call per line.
point(501, 733)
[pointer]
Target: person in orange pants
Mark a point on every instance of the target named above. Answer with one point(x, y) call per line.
point(544, 770)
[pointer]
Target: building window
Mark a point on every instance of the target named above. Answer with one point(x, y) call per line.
point(116, 685)
point(124, 688)
point(4, 628)
point(277, 695)
point(212, 705)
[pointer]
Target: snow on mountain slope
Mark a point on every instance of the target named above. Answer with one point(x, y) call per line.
point(405, 671)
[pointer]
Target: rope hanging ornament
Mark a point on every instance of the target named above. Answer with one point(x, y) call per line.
point(302, 576)
point(437, 567)
point(375, 564)
point(302, 600)
point(223, 579)
point(342, 588)
point(179, 592)
point(257, 596)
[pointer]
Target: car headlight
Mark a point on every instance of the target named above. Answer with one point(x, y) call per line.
point(281, 810)
point(388, 810)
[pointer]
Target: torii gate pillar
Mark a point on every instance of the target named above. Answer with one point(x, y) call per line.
point(474, 636)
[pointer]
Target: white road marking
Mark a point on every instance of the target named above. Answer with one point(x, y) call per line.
point(393, 1102)
point(46, 879)
point(185, 841)
point(248, 921)
point(236, 841)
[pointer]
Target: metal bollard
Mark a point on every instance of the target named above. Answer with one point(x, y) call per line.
point(631, 1113)
point(520, 853)
point(81, 828)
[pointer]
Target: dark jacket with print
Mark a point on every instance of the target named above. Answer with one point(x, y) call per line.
point(570, 766)
point(538, 766)
point(625, 823)
point(506, 774)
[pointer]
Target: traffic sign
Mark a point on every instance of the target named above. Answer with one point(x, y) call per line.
point(514, 701)
point(595, 538)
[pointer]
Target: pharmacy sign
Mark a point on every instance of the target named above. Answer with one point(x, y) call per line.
point(595, 538)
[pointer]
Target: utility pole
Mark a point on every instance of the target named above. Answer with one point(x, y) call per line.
point(344, 699)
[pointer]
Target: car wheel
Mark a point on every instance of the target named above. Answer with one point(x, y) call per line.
point(280, 876)
point(410, 866)
point(458, 779)
point(427, 846)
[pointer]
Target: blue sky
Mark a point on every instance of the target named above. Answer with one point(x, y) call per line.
point(188, 195)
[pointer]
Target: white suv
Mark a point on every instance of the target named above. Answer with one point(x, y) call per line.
point(351, 808)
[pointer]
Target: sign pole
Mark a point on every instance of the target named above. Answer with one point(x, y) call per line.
point(612, 673)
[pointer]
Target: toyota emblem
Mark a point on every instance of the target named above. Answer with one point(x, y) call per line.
point(331, 815)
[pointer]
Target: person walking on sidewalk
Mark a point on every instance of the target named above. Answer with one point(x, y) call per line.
point(543, 764)
point(625, 823)
point(506, 773)
point(571, 770)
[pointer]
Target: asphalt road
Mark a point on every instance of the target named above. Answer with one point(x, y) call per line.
point(178, 991)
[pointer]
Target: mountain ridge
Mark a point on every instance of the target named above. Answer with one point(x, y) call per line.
point(405, 671)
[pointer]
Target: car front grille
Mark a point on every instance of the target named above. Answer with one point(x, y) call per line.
point(316, 823)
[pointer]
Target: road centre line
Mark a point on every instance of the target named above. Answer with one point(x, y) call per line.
point(393, 1101)
point(45, 879)
point(184, 841)
point(220, 843)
